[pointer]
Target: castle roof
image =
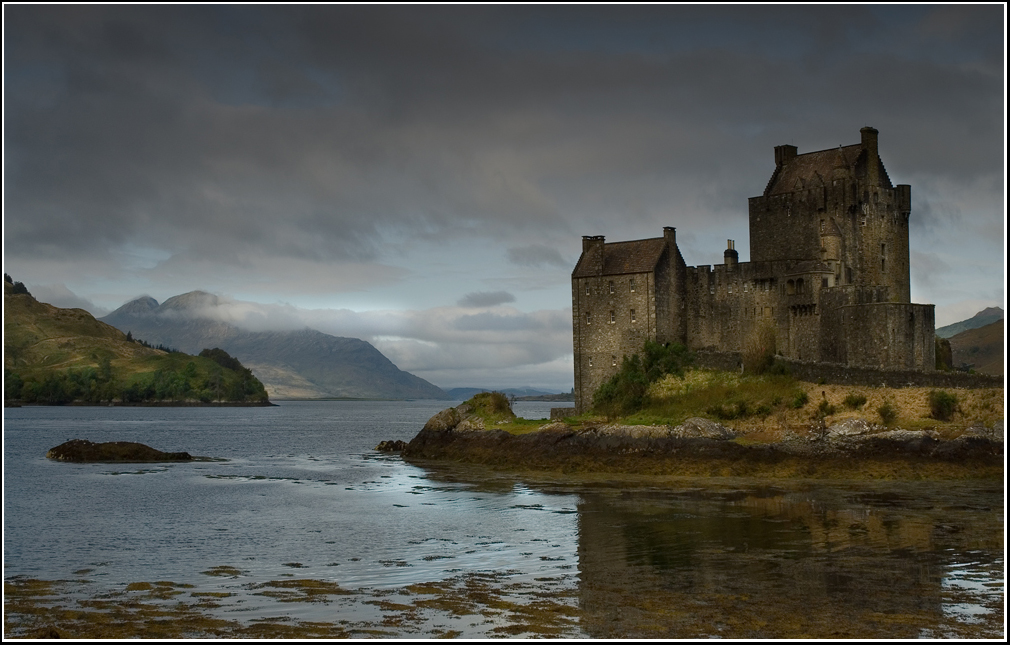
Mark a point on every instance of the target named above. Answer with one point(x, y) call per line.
point(815, 169)
point(812, 169)
point(635, 256)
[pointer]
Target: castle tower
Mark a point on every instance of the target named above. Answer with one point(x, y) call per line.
point(843, 192)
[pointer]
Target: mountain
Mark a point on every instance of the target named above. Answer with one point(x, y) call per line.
point(982, 347)
point(54, 355)
point(304, 364)
point(981, 319)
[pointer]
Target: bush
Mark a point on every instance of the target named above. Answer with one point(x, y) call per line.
point(491, 404)
point(854, 401)
point(887, 413)
point(942, 405)
point(625, 392)
point(825, 409)
point(800, 400)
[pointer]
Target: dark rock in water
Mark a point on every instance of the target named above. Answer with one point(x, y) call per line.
point(391, 446)
point(84, 450)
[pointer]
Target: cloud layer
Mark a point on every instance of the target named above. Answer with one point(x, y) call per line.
point(413, 158)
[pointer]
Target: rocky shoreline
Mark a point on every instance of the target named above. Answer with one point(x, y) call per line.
point(851, 448)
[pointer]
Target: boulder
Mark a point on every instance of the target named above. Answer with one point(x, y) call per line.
point(391, 445)
point(850, 428)
point(698, 428)
point(82, 450)
point(447, 419)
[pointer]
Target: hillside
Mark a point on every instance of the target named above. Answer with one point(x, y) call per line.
point(54, 355)
point(304, 364)
point(983, 347)
point(985, 317)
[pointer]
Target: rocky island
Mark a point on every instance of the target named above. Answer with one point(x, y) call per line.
point(484, 431)
point(82, 450)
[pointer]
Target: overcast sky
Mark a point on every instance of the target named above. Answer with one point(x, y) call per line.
point(421, 177)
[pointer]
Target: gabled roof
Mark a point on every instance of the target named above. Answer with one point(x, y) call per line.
point(635, 256)
point(812, 169)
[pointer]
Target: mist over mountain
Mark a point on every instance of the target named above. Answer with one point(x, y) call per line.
point(298, 364)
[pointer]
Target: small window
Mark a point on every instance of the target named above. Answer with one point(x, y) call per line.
point(632, 282)
point(611, 286)
point(824, 283)
point(589, 318)
point(613, 361)
point(632, 315)
point(590, 361)
point(613, 317)
point(587, 288)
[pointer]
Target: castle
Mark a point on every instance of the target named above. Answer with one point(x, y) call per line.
point(828, 275)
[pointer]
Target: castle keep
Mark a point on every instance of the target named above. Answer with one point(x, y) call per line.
point(828, 275)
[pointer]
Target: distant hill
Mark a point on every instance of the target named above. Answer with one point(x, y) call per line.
point(304, 364)
point(521, 393)
point(54, 355)
point(984, 347)
point(981, 319)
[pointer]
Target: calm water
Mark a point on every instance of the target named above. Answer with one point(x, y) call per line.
point(302, 494)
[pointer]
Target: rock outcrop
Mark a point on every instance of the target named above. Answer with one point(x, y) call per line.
point(82, 450)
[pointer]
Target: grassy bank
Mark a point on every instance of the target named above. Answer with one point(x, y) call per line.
point(769, 406)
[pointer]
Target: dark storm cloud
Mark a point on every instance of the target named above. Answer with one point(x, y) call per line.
point(486, 299)
point(221, 132)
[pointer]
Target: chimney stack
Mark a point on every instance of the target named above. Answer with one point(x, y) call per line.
point(730, 256)
point(784, 154)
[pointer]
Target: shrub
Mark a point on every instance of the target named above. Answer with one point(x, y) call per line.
point(854, 401)
point(887, 413)
point(730, 411)
point(625, 392)
point(800, 400)
point(942, 405)
point(493, 404)
point(825, 409)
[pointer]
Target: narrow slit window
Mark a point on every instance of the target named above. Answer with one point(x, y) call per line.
point(632, 315)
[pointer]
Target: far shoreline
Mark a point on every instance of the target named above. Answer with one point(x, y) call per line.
point(146, 404)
